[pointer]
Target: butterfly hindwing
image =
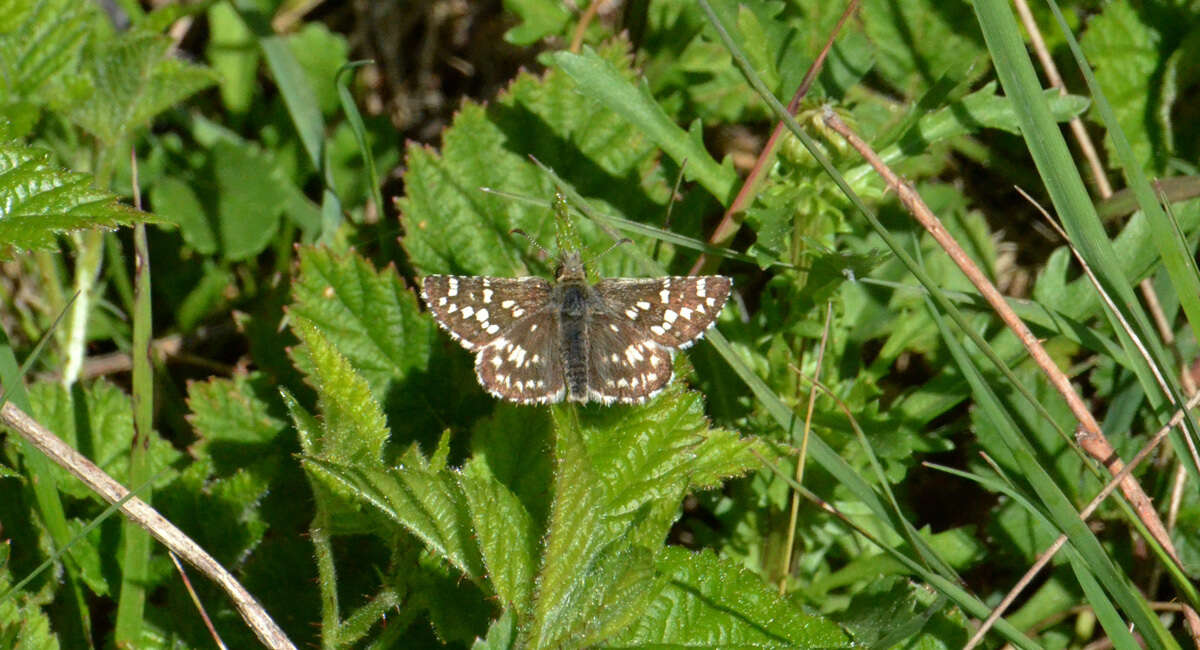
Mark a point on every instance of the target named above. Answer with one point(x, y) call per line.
point(624, 365)
point(477, 309)
point(524, 364)
point(672, 311)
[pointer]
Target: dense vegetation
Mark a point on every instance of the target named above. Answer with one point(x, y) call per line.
point(214, 218)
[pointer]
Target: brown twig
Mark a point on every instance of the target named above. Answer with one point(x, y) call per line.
point(139, 512)
point(1089, 436)
point(731, 222)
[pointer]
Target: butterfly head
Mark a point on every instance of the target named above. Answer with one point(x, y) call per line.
point(570, 268)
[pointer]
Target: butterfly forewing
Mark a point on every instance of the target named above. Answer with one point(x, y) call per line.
point(477, 309)
point(624, 365)
point(671, 311)
point(524, 364)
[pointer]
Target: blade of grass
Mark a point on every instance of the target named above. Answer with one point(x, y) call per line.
point(301, 102)
point(1073, 206)
point(354, 119)
point(1173, 247)
point(1059, 509)
point(1110, 619)
point(633, 227)
point(135, 560)
point(961, 597)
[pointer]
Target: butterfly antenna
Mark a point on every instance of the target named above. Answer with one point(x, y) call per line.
point(527, 236)
point(623, 240)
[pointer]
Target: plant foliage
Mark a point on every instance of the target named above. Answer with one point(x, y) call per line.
point(297, 171)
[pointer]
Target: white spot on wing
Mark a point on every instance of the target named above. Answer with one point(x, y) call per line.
point(487, 294)
point(453, 287)
point(670, 315)
point(700, 287)
point(467, 311)
point(657, 330)
point(507, 304)
point(642, 304)
point(481, 315)
point(665, 296)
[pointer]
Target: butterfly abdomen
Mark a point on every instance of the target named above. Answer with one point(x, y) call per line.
point(573, 332)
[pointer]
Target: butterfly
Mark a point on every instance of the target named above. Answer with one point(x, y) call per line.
point(537, 342)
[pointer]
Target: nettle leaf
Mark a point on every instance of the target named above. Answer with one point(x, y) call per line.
point(424, 382)
point(23, 624)
point(586, 555)
point(1123, 50)
point(103, 434)
point(619, 478)
point(894, 608)
point(38, 201)
point(231, 204)
point(37, 41)
point(352, 427)
point(948, 36)
point(124, 82)
point(233, 419)
point(426, 501)
point(221, 514)
point(451, 226)
point(506, 533)
point(713, 602)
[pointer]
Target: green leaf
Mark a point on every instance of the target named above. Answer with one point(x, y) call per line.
point(425, 501)
point(915, 40)
point(539, 19)
point(892, 610)
point(451, 225)
point(321, 53)
point(124, 82)
point(507, 536)
point(619, 478)
point(37, 41)
point(221, 513)
point(353, 430)
point(233, 55)
point(709, 600)
point(233, 419)
point(603, 81)
point(23, 624)
point(423, 381)
point(38, 201)
point(502, 634)
point(1123, 51)
point(226, 206)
